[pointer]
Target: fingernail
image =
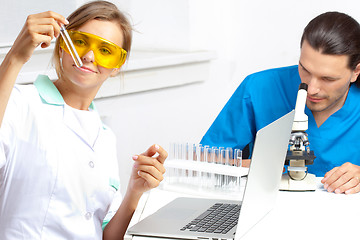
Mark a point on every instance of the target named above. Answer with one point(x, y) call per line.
point(138, 173)
point(157, 147)
point(136, 166)
point(330, 190)
point(348, 191)
point(66, 21)
point(337, 191)
point(135, 157)
point(326, 185)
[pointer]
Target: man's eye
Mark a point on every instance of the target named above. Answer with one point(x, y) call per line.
point(328, 79)
point(304, 70)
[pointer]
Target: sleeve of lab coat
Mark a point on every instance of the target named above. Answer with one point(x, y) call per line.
point(113, 208)
point(11, 124)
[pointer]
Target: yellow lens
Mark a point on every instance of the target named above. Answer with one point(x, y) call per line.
point(106, 53)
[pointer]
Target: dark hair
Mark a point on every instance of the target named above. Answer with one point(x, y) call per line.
point(100, 10)
point(335, 33)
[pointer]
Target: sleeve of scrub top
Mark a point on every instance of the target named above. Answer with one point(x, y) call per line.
point(234, 126)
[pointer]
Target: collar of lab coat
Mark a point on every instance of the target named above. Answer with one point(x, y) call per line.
point(49, 93)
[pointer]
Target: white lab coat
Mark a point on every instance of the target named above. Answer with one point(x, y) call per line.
point(54, 182)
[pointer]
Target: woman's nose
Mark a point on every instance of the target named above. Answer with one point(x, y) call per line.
point(89, 57)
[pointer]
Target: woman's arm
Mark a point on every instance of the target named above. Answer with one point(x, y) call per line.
point(147, 173)
point(39, 29)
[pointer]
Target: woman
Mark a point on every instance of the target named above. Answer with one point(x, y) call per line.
point(58, 166)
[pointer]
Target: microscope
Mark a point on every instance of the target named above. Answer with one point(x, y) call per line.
point(299, 154)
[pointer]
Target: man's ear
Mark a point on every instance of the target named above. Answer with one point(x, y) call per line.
point(356, 73)
point(114, 72)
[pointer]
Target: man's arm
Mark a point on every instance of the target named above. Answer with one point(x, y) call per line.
point(343, 179)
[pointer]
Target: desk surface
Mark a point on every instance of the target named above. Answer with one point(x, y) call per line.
point(297, 215)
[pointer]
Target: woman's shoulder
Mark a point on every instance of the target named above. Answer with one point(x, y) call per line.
point(25, 91)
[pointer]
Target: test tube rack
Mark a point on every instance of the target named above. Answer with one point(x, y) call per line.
point(193, 168)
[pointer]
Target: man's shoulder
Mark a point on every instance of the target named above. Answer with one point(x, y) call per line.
point(284, 77)
point(290, 71)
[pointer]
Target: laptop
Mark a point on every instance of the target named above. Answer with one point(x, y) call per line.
point(192, 218)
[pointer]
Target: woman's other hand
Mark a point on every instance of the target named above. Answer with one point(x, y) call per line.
point(148, 169)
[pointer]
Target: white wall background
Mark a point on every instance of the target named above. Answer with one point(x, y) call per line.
point(247, 36)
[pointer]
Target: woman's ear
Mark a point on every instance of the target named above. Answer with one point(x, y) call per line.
point(114, 72)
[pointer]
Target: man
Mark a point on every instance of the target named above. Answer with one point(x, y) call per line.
point(330, 65)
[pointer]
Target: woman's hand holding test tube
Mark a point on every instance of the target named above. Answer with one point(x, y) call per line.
point(39, 29)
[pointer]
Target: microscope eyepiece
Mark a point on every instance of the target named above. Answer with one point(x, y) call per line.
point(303, 86)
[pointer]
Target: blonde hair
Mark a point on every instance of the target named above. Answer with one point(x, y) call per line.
point(99, 10)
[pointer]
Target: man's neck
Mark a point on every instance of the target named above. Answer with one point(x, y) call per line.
point(321, 116)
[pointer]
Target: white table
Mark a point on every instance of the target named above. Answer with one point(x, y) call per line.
point(297, 215)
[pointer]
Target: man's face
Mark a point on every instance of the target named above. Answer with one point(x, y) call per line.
point(328, 78)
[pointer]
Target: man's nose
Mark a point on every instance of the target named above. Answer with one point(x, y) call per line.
point(313, 86)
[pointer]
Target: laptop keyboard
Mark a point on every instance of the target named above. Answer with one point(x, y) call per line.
point(219, 218)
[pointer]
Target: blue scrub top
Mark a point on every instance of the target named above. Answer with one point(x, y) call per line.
point(265, 96)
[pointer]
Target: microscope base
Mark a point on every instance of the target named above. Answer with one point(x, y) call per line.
point(307, 184)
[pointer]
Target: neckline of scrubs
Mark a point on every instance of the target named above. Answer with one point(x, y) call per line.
point(341, 113)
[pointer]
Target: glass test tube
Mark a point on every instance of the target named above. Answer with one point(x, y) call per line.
point(183, 172)
point(206, 175)
point(237, 162)
point(213, 161)
point(173, 172)
point(204, 178)
point(69, 44)
point(231, 180)
point(196, 173)
point(227, 163)
point(190, 158)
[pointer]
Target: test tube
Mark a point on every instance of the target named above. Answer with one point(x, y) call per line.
point(231, 180)
point(206, 175)
point(70, 46)
point(214, 159)
point(196, 174)
point(237, 162)
point(183, 172)
point(173, 156)
point(190, 158)
point(228, 152)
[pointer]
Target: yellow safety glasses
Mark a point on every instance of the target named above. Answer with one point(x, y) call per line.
point(106, 53)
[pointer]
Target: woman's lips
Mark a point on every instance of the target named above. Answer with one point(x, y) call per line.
point(85, 69)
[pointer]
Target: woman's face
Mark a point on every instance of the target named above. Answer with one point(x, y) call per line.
point(91, 75)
